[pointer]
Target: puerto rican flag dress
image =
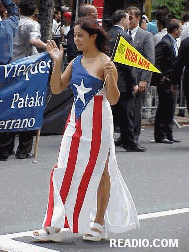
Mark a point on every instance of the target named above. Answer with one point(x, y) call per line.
point(86, 144)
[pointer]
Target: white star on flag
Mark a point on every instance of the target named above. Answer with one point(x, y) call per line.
point(81, 90)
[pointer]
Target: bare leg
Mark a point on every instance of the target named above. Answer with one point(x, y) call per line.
point(103, 195)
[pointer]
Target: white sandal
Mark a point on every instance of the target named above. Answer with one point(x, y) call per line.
point(94, 235)
point(52, 236)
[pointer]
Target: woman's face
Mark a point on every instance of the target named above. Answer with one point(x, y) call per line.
point(82, 39)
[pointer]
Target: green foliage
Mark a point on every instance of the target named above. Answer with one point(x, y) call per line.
point(175, 7)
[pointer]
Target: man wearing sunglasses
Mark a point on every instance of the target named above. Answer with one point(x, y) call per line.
point(144, 43)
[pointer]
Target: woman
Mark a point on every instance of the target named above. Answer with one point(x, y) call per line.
point(86, 184)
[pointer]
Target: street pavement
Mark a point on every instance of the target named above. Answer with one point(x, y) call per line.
point(158, 180)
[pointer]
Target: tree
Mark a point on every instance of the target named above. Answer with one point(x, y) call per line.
point(46, 8)
point(175, 7)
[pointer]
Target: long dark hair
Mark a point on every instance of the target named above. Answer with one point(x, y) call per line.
point(91, 26)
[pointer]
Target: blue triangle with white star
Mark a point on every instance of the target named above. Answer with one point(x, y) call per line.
point(84, 93)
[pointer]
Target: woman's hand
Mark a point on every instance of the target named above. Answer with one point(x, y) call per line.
point(109, 69)
point(55, 53)
point(111, 77)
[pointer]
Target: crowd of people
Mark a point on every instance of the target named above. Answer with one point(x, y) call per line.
point(159, 43)
point(147, 37)
point(133, 83)
point(24, 40)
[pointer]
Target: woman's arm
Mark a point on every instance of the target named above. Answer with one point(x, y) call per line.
point(111, 77)
point(58, 81)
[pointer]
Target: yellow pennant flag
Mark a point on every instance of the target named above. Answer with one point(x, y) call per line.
point(128, 55)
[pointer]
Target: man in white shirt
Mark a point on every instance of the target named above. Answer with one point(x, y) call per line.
point(143, 41)
point(28, 37)
point(56, 26)
point(162, 24)
point(26, 40)
point(126, 85)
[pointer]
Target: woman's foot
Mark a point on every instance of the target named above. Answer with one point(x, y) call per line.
point(99, 222)
point(48, 234)
point(97, 233)
point(36, 233)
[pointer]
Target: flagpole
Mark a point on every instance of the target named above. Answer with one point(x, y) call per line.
point(113, 51)
point(37, 143)
point(115, 46)
point(39, 131)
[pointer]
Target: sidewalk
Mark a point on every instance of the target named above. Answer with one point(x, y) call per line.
point(183, 121)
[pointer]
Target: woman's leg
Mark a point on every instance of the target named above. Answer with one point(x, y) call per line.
point(103, 195)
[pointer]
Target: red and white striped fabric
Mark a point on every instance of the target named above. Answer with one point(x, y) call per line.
point(84, 149)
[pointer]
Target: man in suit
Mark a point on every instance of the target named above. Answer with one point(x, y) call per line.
point(126, 85)
point(182, 62)
point(144, 43)
point(166, 52)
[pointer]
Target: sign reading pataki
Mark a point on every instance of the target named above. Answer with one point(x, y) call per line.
point(23, 88)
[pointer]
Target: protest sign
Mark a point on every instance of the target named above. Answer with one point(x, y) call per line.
point(23, 89)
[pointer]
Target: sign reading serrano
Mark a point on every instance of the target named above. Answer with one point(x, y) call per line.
point(128, 55)
point(23, 89)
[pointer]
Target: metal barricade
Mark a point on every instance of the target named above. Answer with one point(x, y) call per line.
point(150, 103)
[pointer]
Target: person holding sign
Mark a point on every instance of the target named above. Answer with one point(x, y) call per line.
point(144, 44)
point(26, 42)
point(7, 32)
point(86, 185)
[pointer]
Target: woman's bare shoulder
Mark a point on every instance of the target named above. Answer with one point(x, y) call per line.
point(105, 58)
